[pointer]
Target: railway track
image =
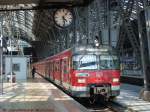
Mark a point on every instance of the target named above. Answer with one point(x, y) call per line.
point(101, 106)
point(117, 107)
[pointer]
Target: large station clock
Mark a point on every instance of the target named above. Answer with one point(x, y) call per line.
point(63, 17)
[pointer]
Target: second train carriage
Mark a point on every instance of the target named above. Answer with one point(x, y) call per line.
point(84, 71)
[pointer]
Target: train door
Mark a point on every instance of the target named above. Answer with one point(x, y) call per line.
point(47, 69)
point(69, 70)
point(43, 69)
point(44, 65)
point(57, 72)
point(61, 71)
point(65, 72)
point(51, 71)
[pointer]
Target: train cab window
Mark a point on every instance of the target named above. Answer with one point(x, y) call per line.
point(85, 62)
point(109, 62)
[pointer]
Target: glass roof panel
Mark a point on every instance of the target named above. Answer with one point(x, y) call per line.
point(17, 21)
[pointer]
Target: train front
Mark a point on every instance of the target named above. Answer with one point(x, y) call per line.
point(96, 72)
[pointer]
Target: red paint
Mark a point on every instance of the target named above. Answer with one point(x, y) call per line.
point(69, 77)
point(97, 77)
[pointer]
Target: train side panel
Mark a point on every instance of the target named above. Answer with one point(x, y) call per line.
point(60, 69)
point(80, 83)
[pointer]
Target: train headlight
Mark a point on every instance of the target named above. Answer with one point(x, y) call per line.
point(81, 80)
point(82, 74)
point(115, 79)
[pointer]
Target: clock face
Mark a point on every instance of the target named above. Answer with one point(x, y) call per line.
point(63, 17)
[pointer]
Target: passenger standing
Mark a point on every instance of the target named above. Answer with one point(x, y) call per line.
point(33, 72)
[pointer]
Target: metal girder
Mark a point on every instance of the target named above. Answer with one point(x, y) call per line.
point(10, 2)
point(132, 37)
point(129, 12)
point(98, 15)
point(13, 5)
point(43, 24)
point(125, 17)
point(120, 42)
point(16, 25)
point(78, 31)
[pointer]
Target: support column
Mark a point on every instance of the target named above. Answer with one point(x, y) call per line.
point(147, 17)
point(1, 72)
point(144, 36)
point(1, 58)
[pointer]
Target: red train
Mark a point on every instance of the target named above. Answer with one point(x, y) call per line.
point(84, 71)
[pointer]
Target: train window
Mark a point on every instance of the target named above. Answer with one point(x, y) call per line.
point(65, 64)
point(55, 66)
point(85, 62)
point(109, 62)
point(58, 66)
point(52, 66)
point(68, 65)
point(71, 64)
point(47, 68)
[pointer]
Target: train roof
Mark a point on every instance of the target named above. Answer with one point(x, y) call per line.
point(91, 49)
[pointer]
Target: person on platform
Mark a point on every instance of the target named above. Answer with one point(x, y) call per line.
point(33, 72)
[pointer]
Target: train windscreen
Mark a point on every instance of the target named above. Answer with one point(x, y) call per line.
point(85, 62)
point(109, 62)
point(95, 62)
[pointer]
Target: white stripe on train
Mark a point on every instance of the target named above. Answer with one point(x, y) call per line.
point(81, 88)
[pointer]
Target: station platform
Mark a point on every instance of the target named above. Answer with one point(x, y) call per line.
point(36, 95)
point(129, 98)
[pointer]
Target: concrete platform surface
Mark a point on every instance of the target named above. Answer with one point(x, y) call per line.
point(129, 98)
point(36, 95)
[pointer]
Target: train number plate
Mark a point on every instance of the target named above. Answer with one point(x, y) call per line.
point(100, 90)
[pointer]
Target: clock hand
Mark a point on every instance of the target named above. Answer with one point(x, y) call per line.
point(66, 13)
point(64, 20)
